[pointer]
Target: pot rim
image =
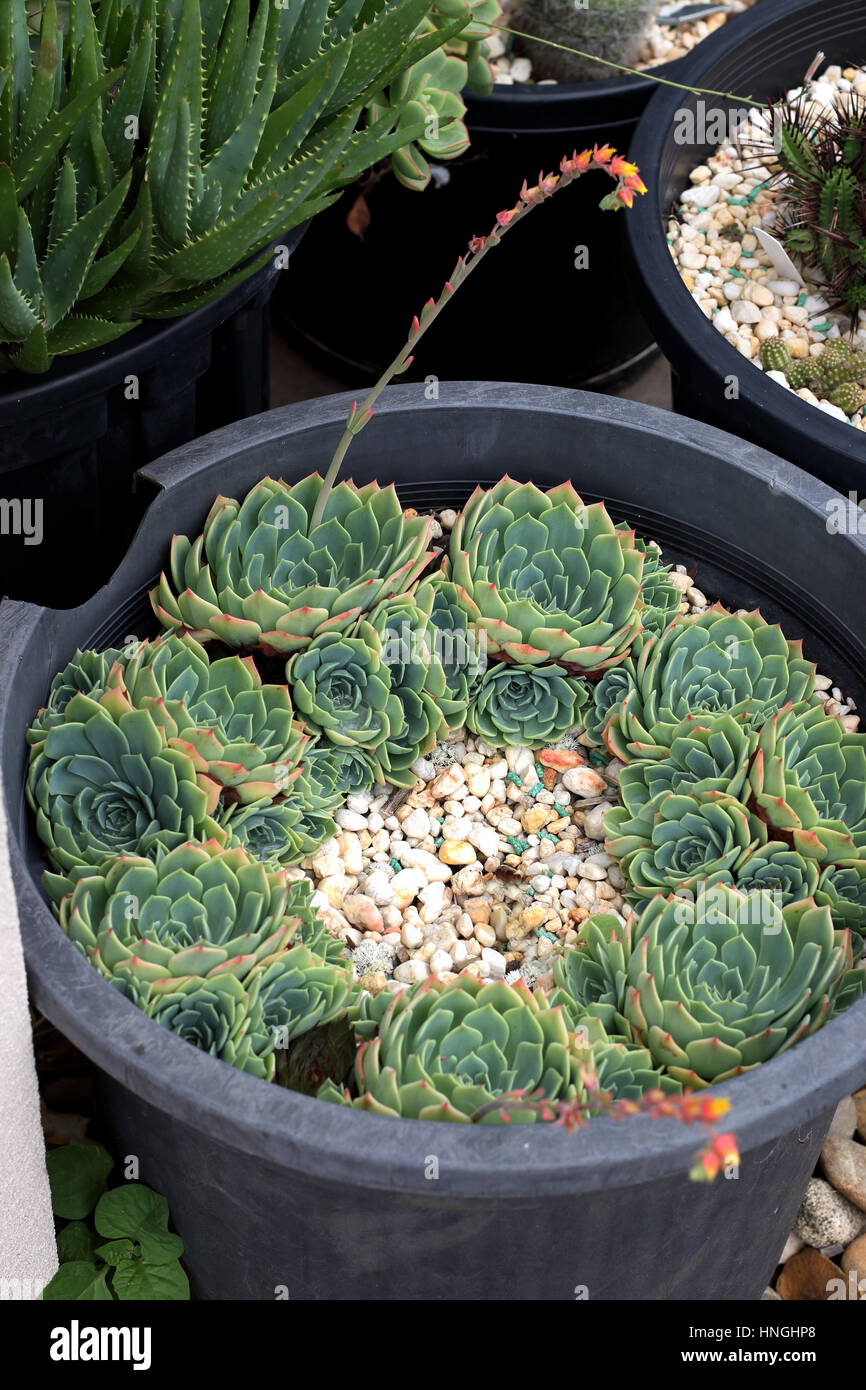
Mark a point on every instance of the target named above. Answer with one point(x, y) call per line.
point(657, 273)
point(345, 1145)
point(151, 340)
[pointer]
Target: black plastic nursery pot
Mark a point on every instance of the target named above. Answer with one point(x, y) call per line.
point(72, 439)
point(762, 56)
point(532, 315)
point(276, 1193)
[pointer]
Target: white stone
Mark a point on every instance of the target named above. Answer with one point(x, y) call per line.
point(417, 824)
point(744, 311)
point(411, 971)
point(494, 961)
point(483, 838)
point(784, 288)
point(406, 886)
point(377, 886)
point(430, 865)
point(583, 781)
point(350, 820)
point(521, 69)
point(439, 961)
point(701, 196)
point(423, 768)
point(594, 822)
point(478, 780)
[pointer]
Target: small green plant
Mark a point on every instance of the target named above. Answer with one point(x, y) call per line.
point(612, 30)
point(113, 1243)
point(836, 374)
point(150, 154)
point(821, 163)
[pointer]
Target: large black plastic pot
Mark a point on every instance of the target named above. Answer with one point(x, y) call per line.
point(764, 54)
point(75, 436)
point(271, 1189)
point(530, 315)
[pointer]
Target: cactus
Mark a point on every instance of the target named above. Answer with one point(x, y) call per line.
point(613, 30)
point(836, 375)
point(819, 161)
point(848, 397)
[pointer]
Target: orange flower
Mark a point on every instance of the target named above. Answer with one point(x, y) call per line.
point(621, 167)
point(603, 154)
point(626, 196)
point(636, 182)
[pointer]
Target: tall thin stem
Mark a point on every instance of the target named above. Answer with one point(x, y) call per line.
point(628, 183)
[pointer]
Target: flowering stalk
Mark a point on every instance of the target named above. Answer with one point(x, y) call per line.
point(628, 182)
point(692, 1107)
point(621, 67)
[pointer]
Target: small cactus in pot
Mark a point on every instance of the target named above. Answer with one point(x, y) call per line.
point(613, 30)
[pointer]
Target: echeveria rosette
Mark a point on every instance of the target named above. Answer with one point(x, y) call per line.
point(198, 908)
point(280, 831)
point(330, 774)
point(808, 779)
point(342, 688)
point(217, 1014)
point(707, 664)
point(682, 841)
point(706, 755)
point(244, 729)
point(591, 977)
point(606, 697)
point(717, 986)
point(261, 575)
point(546, 577)
point(106, 783)
point(842, 888)
point(777, 868)
point(416, 681)
point(459, 645)
point(298, 990)
point(525, 706)
point(442, 1051)
point(660, 597)
point(86, 674)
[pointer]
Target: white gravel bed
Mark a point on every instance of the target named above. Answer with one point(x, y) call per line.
point(731, 276)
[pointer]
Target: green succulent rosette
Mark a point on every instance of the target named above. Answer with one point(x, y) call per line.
point(459, 645)
point(777, 868)
point(416, 681)
point(715, 986)
point(86, 674)
point(808, 779)
point(444, 1051)
point(342, 688)
point(217, 1015)
point(261, 575)
point(703, 665)
point(660, 597)
point(330, 774)
point(281, 831)
point(526, 706)
point(546, 577)
point(606, 697)
point(706, 755)
point(298, 990)
point(687, 839)
point(245, 730)
point(842, 888)
point(198, 908)
point(105, 782)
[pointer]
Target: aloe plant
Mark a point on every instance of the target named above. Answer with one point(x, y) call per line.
point(149, 155)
